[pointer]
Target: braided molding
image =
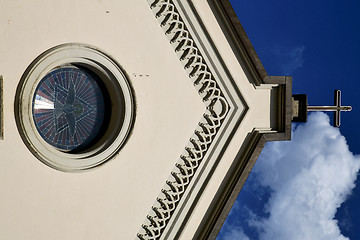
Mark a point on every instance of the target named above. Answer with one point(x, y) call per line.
point(216, 110)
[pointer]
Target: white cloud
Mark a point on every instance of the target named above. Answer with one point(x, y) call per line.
point(235, 234)
point(310, 177)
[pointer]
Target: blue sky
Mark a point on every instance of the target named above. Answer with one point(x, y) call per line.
point(307, 188)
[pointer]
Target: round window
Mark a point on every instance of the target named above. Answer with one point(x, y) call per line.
point(74, 107)
point(69, 108)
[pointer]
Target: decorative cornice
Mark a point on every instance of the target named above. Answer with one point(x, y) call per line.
point(217, 108)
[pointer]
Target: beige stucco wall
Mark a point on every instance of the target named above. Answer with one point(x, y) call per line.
point(109, 202)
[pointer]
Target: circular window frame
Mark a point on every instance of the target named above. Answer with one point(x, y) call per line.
point(120, 94)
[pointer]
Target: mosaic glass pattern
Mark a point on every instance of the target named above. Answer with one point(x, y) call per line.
point(68, 108)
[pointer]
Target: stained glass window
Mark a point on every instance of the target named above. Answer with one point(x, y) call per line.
point(69, 108)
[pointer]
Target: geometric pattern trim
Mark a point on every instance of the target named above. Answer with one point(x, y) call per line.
point(217, 108)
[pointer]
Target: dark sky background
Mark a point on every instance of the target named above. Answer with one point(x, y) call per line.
point(316, 42)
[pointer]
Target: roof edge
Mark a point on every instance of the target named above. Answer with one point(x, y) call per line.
point(255, 141)
point(238, 40)
point(227, 193)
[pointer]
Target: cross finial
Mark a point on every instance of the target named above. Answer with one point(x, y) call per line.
point(300, 108)
point(337, 108)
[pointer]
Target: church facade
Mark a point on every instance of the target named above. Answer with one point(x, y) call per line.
point(129, 119)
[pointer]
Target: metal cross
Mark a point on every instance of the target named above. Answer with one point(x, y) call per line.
point(336, 109)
